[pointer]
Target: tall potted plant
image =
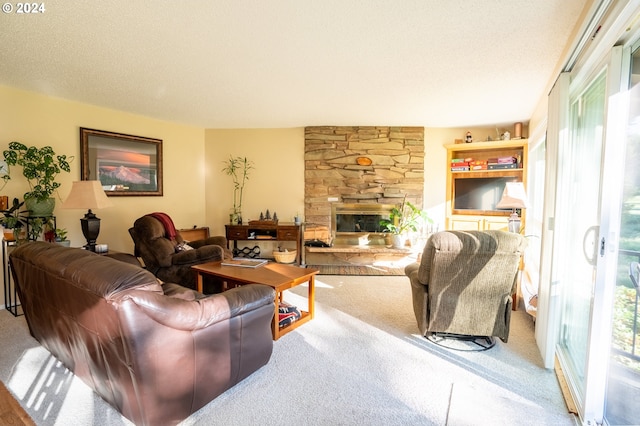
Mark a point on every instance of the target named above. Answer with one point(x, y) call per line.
point(238, 168)
point(40, 166)
point(402, 220)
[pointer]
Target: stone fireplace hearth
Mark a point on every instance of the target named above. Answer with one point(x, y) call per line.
point(349, 165)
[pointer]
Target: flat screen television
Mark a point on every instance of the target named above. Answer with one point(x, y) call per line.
point(481, 194)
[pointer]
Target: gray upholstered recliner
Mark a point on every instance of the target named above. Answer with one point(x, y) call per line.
point(464, 283)
point(162, 250)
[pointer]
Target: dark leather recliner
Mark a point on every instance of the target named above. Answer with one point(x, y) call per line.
point(156, 352)
point(162, 256)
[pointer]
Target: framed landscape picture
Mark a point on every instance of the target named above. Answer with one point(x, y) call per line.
point(125, 165)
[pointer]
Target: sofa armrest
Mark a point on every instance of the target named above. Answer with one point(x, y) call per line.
point(217, 241)
point(412, 271)
point(197, 314)
point(198, 255)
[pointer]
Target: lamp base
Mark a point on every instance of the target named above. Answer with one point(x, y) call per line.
point(514, 223)
point(90, 229)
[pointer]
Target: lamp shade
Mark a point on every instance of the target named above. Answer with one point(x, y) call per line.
point(513, 197)
point(86, 194)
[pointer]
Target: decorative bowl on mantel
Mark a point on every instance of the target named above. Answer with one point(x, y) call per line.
point(364, 161)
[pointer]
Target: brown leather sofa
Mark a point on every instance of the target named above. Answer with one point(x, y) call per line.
point(156, 352)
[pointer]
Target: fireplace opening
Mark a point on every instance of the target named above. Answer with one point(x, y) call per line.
point(359, 224)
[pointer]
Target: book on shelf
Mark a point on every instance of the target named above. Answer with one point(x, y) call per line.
point(460, 169)
point(244, 262)
point(502, 166)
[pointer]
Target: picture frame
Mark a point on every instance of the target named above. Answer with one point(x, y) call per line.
point(126, 165)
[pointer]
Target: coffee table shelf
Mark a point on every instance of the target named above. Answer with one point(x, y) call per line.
point(281, 277)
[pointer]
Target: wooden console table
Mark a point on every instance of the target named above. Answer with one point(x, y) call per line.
point(283, 231)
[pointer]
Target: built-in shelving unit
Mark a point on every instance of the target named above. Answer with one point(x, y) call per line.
point(472, 194)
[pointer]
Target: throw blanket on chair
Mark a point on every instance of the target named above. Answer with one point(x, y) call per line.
point(165, 220)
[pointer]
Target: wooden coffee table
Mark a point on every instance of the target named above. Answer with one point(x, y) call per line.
point(279, 276)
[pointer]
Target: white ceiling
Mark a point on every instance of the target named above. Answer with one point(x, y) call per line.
point(291, 63)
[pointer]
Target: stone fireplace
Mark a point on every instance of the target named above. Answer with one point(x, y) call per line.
point(354, 175)
point(361, 165)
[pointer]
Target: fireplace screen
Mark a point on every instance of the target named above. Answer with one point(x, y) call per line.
point(359, 222)
point(354, 218)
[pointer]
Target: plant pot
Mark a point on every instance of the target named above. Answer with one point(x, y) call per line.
point(8, 235)
point(40, 208)
point(234, 218)
point(398, 240)
point(66, 243)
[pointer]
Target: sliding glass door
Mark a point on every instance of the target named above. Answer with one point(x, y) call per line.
point(587, 230)
point(623, 379)
point(577, 229)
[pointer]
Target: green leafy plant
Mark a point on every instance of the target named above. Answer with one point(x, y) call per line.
point(36, 227)
point(40, 166)
point(13, 217)
point(406, 217)
point(238, 168)
point(61, 234)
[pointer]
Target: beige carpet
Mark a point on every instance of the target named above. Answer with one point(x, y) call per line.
point(357, 270)
point(360, 361)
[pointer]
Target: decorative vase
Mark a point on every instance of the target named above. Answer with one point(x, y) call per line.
point(233, 218)
point(40, 208)
point(8, 234)
point(398, 240)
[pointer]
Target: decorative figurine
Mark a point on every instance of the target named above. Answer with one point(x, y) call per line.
point(469, 138)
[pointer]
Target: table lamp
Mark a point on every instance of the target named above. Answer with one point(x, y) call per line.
point(88, 194)
point(514, 197)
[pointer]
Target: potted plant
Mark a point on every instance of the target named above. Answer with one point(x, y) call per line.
point(61, 237)
point(40, 166)
point(238, 168)
point(13, 220)
point(402, 220)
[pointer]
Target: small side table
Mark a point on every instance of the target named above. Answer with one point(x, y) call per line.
point(11, 302)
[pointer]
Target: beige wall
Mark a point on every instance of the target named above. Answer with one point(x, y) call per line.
point(35, 119)
point(276, 182)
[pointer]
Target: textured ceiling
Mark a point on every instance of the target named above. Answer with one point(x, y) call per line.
point(290, 63)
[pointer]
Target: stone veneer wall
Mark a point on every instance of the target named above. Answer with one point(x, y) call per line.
point(331, 169)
